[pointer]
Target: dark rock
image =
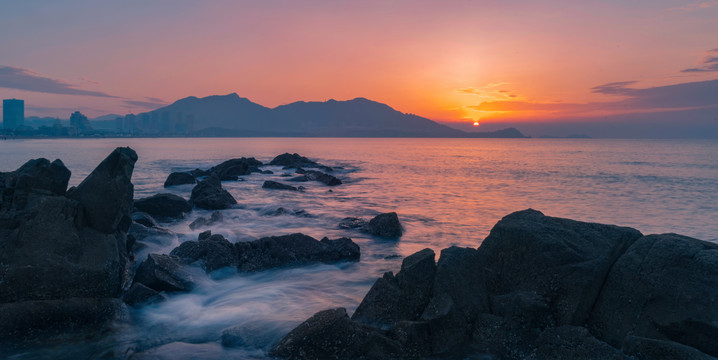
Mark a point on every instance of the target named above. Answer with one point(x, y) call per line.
point(106, 194)
point(231, 169)
point(293, 161)
point(301, 178)
point(663, 287)
point(179, 178)
point(164, 206)
point(144, 219)
point(163, 273)
point(648, 349)
point(208, 194)
point(197, 173)
point(330, 334)
point(294, 249)
point(139, 294)
point(329, 180)
point(214, 251)
point(565, 261)
point(42, 175)
point(40, 319)
point(267, 172)
point(414, 338)
point(403, 297)
point(284, 211)
point(269, 184)
point(157, 235)
point(352, 223)
point(204, 222)
point(573, 342)
point(250, 334)
point(385, 225)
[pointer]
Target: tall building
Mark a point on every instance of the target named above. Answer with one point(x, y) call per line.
point(13, 113)
point(80, 122)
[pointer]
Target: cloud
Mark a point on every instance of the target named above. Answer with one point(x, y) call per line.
point(614, 88)
point(28, 80)
point(148, 103)
point(469, 90)
point(685, 96)
point(709, 63)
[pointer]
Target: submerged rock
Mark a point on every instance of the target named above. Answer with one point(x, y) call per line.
point(385, 225)
point(294, 249)
point(139, 294)
point(293, 161)
point(313, 175)
point(163, 273)
point(269, 184)
point(352, 223)
point(179, 178)
point(164, 206)
point(208, 194)
point(204, 222)
point(231, 169)
point(144, 219)
point(214, 251)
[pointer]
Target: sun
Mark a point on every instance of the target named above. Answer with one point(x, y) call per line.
point(476, 123)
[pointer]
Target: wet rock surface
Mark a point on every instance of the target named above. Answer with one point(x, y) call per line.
point(163, 273)
point(201, 222)
point(164, 206)
point(385, 225)
point(208, 194)
point(269, 184)
point(179, 178)
point(538, 287)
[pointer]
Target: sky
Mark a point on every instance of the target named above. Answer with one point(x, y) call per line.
point(461, 61)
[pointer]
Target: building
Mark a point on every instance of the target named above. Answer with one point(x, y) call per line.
point(13, 113)
point(80, 122)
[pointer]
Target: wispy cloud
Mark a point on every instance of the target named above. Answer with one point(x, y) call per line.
point(469, 90)
point(148, 103)
point(708, 64)
point(614, 88)
point(28, 80)
point(697, 5)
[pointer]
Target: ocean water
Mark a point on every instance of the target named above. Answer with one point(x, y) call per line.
point(446, 192)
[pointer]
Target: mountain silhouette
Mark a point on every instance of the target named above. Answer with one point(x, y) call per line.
point(232, 115)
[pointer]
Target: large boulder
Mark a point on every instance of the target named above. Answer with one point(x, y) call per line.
point(293, 161)
point(664, 287)
point(62, 251)
point(400, 297)
point(293, 249)
point(106, 194)
point(562, 260)
point(208, 194)
point(385, 225)
point(179, 178)
point(330, 334)
point(164, 206)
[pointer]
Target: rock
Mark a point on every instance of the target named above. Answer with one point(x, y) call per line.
point(106, 194)
point(144, 219)
point(208, 194)
point(269, 184)
point(156, 235)
point(648, 349)
point(403, 297)
point(385, 225)
point(284, 211)
point(179, 178)
point(139, 294)
point(204, 222)
point(267, 172)
point(42, 175)
point(294, 249)
point(327, 179)
point(293, 161)
point(249, 334)
point(563, 260)
point(164, 206)
point(214, 251)
point(198, 173)
point(573, 342)
point(86, 318)
point(163, 273)
point(663, 287)
point(231, 169)
point(330, 334)
point(352, 223)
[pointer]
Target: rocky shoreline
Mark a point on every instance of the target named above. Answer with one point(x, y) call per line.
point(538, 287)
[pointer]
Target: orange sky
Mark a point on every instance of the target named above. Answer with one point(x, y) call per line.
point(449, 61)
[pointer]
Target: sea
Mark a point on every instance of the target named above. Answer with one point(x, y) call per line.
point(447, 192)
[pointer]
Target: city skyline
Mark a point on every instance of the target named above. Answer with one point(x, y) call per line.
point(497, 63)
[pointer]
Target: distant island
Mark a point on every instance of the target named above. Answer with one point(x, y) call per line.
point(233, 116)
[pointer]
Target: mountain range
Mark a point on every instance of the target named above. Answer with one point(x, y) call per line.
point(232, 115)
